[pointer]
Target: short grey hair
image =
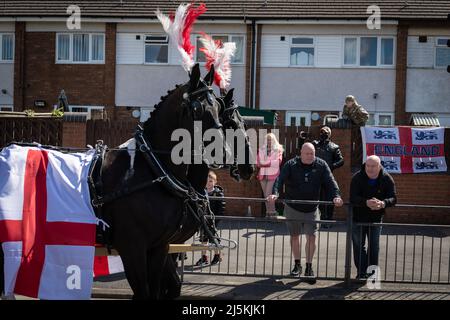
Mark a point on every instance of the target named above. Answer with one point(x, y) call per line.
point(374, 158)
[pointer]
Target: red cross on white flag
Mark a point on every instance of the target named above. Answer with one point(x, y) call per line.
point(47, 225)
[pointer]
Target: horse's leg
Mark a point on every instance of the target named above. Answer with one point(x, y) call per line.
point(171, 283)
point(156, 261)
point(135, 264)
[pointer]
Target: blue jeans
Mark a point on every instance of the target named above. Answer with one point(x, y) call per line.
point(362, 255)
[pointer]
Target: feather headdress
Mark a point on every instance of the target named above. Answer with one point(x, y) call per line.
point(218, 54)
point(179, 27)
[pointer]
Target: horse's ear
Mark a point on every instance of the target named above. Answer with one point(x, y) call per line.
point(209, 78)
point(228, 97)
point(194, 77)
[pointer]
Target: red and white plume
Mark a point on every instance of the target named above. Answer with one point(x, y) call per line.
point(179, 27)
point(218, 54)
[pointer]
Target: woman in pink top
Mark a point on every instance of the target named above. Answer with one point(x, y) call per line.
point(268, 161)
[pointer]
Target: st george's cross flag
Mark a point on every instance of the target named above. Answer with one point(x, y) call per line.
point(105, 266)
point(405, 149)
point(47, 224)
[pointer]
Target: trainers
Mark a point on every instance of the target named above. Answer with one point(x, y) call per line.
point(309, 272)
point(216, 259)
point(297, 270)
point(203, 261)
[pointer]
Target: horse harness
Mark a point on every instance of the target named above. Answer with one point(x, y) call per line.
point(194, 202)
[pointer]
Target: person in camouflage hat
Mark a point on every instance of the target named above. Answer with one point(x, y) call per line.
point(355, 112)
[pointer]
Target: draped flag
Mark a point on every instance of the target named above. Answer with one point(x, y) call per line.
point(406, 149)
point(47, 223)
point(107, 266)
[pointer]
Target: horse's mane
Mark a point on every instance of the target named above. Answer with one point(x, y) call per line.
point(160, 105)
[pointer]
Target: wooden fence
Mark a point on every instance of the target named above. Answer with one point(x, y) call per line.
point(46, 131)
point(113, 133)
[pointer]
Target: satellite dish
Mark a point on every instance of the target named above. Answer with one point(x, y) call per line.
point(315, 116)
point(136, 113)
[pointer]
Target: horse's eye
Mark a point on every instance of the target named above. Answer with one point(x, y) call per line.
point(210, 98)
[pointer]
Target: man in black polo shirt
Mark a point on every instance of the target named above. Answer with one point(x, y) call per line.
point(303, 178)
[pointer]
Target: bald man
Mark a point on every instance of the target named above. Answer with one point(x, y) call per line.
point(303, 178)
point(371, 191)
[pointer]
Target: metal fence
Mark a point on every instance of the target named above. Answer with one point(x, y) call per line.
point(409, 253)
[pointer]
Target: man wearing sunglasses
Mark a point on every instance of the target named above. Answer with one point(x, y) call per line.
point(331, 153)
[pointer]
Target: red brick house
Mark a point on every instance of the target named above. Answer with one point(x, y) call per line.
point(289, 55)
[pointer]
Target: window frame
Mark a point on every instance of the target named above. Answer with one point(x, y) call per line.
point(7, 106)
point(1, 47)
point(89, 109)
point(377, 115)
point(358, 52)
point(436, 46)
point(230, 36)
point(297, 115)
point(144, 36)
point(70, 61)
point(313, 45)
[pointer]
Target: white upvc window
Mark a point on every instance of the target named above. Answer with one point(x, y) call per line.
point(442, 52)
point(156, 49)
point(6, 47)
point(368, 51)
point(381, 119)
point(298, 118)
point(80, 48)
point(4, 107)
point(302, 51)
point(85, 110)
point(238, 57)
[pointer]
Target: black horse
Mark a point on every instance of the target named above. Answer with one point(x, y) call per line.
point(198, 175)
point(146, 220)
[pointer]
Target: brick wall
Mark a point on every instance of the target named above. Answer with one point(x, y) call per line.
point(432, 189)
point(19, 65)
point(401, 116)
point(110, 68)
point(40, 78)
point(74, 132)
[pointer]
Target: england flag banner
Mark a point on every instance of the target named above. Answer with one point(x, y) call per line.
point(47, 223)
point(406, 149)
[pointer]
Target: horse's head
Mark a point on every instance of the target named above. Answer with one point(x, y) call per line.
point(189, 107)
point(231, 119)
point(200, 101)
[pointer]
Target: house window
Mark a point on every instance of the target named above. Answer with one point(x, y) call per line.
point(6, 47)
point(85, 110)
point(350, 51)
point(442, 53)
point(302, 51)
point(238, 57)
point(368, 51)
point(63, 47)
point(80, 48)
point(156, 49)
point(387, 51)
point(294, 118)
point(6, 108)
point(380, 119)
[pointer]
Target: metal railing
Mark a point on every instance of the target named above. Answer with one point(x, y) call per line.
point(409, 253)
